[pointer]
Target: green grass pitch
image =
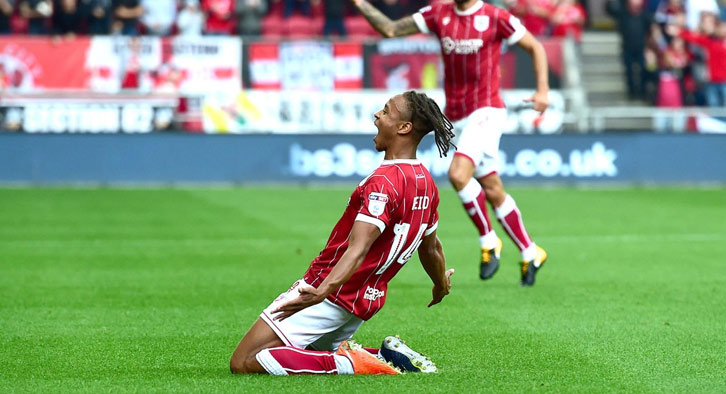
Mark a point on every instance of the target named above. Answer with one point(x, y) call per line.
point(149, 290)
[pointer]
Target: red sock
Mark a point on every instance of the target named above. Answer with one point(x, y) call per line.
point(475, 203)
point(286, 360)
point(372, 350)
point(511, 220)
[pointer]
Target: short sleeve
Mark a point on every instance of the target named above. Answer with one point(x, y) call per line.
point(509, 27)
point(433, 222)
point(378, 201)
point(425, 20)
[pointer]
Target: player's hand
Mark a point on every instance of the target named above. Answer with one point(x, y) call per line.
point(357, 3)
point(539, 101)
point(309, 296)
point(440, 292)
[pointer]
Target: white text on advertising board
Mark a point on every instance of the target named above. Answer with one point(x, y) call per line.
point(345, 160)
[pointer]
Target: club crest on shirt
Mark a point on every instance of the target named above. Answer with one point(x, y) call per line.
point(446, 20)
point(481, 22)
point(377, 203)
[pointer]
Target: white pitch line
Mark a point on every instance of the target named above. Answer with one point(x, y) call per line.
point(144, 242)
point(671, 237)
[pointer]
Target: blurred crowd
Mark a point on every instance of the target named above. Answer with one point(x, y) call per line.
point(674, 51)
point(247, 17)
point(127, 17)
point(557, 18)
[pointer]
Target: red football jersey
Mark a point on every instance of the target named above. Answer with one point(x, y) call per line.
point(401, 199)
point(470, 46)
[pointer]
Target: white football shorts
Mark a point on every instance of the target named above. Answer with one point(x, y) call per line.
point(321, 327)
point(478, 136)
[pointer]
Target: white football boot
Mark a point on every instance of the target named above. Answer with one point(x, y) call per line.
point(395, 351)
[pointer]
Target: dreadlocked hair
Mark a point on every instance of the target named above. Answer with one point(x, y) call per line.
point(426, 116)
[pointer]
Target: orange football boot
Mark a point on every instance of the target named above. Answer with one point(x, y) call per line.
point(363, 362)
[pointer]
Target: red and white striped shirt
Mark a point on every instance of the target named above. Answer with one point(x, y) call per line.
point(399, 197)
point(470, 46)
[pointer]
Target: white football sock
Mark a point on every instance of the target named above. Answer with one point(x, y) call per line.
point(488, 240)
point(530, 253)
point(345, 367)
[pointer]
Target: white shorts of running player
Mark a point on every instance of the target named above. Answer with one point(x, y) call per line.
point(321, 327)
point(477, 137)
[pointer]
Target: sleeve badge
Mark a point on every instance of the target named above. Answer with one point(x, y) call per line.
point(377, 203)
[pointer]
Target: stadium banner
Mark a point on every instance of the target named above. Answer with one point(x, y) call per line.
point(86, 113)
point(415, 63)
point(263, 111)
point(305, 65)
point(396, 64)
point(185, 65)
point(632, 158)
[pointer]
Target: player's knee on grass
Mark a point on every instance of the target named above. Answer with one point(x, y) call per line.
point(245, 364)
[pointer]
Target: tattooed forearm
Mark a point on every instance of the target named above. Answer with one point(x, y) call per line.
point(385, 25)
point(377, 19)
point(405, 26)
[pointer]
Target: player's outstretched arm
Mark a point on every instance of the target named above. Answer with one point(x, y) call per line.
point(539, 100)
point(384, 25)
point(431, 254)
point(362, 236)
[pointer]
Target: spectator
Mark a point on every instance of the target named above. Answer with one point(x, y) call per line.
point(534, 14)
point(334, 13)
point(191, 19)
point(159, 16)
point(568, 20)
point(694, 9)
point(652, 5)
point(669, 12)
point(394, 9)
point(671, 79)
point(715, 47)
point(633, 24)
point(66, 18)
point(127, 13)
point(220, 16)
point(6, 11)
point(37, 12)
point(654, 48)
point(302, 6)
point(98, 14)
point(250, 16)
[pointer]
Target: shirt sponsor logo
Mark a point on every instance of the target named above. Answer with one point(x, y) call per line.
point(377, 203)
point(461, 47)
point(373, 294)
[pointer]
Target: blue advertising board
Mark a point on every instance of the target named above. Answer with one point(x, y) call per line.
point(628, 158)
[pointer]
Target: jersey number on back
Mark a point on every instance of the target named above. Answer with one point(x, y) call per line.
point(400, 232)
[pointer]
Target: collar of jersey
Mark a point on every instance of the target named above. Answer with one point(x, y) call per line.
point(476, 7)
point(401, 161)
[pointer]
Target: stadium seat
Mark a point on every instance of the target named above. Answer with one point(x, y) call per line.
point(276, 8)
point(298, 26)
point(318, 9)
point(358, 27)
point(273, 26)
point(18, 24)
